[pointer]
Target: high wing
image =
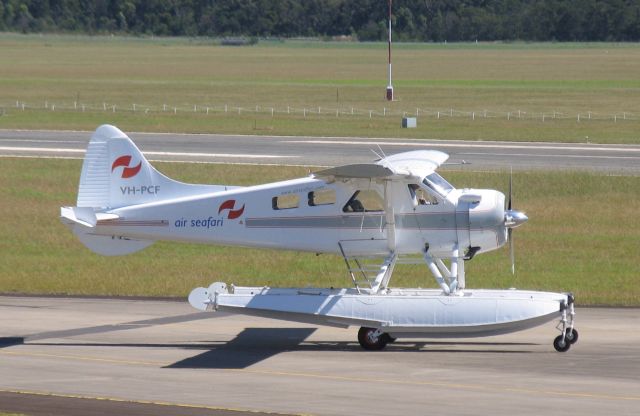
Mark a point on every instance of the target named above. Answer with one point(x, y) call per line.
point(417, 164)
point(360, 170)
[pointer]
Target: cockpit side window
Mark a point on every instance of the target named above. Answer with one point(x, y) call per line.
point(438, 184)
point(420, 196)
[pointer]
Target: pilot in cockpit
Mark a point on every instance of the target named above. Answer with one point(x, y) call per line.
point(420, 196)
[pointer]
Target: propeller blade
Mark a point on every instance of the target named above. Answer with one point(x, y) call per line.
point(510, 188)
point(512, 252)
point(512, 219)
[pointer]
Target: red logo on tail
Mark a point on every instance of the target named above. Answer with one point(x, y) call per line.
point(230, 204)
point(127, 172)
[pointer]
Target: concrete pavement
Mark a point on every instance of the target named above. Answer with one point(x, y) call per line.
point(163, 352)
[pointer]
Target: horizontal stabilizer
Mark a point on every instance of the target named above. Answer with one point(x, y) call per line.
point(83, 216)
point(83, 221)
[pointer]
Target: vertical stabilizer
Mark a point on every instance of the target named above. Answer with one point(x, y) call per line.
point(116, 174)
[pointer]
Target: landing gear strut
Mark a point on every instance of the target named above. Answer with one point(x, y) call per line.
point(372, 339)
point(569, 335)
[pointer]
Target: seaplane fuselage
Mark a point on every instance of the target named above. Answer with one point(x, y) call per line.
point(312, 214)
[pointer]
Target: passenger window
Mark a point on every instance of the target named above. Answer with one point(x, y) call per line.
point(364, 201)
point(322, 197)
point(285, 201)
point(421, 196)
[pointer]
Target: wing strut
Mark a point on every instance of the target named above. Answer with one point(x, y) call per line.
point(452, 279)
point(390, 218)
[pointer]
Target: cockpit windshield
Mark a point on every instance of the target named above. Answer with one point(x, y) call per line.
point(438, 184)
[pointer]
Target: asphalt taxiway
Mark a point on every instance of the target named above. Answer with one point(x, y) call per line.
point(333, 151)
point(162, 357)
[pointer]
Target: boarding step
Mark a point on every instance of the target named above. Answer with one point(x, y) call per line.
point(370, 273)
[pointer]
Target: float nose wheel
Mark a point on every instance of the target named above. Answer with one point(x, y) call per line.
point(561, 344)
point(372, 339)
point(569, 335)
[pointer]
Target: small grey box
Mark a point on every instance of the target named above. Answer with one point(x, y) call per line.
point(409, 122)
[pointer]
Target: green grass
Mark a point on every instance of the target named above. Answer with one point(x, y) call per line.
point(559, 130)
point(582, 236)
point(567, 78)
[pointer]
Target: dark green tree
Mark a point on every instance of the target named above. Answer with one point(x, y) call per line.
point(415, 20)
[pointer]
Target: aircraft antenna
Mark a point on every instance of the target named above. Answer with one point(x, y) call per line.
point(376, 153)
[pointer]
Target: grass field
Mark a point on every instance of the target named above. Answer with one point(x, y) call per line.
point(583, 235)
point(584, 229)
point(567, 79)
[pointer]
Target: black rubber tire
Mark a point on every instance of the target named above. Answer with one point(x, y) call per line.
point(390, 339)
point(369, 344)
point(561, 345)
point(573, 338)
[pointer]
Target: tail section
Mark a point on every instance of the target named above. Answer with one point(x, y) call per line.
point(115, 174)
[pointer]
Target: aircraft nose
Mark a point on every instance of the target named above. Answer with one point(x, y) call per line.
point(514, 218)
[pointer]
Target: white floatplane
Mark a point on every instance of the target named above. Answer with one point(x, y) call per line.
point(374, 215)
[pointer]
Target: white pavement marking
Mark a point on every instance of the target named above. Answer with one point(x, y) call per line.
point(546, 155)
point(40, 149)
point(82, 142)
point(468, 144)
point(249, 156)
point(196, 162)
point(187, 154)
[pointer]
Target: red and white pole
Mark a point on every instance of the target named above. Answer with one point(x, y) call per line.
point(390, 87)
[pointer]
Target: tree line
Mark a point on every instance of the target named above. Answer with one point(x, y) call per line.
point(366, 20)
